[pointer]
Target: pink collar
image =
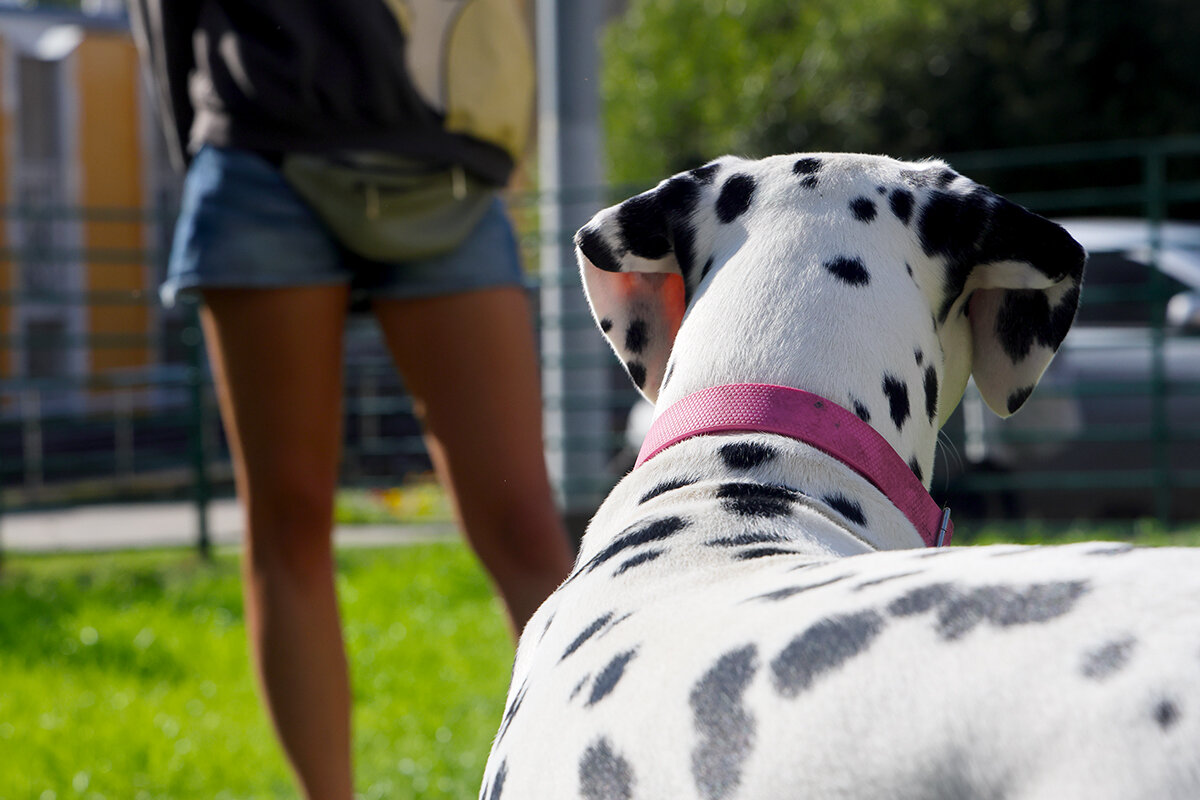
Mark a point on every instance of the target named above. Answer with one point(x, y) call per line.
point(812, 420)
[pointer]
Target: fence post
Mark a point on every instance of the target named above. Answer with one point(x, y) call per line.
point(123, 441)
point(31, 439)
point(1155, 184)
point(575, 376)
point(193, 341)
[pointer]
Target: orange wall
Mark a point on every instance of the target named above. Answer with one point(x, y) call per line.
point(110, 162)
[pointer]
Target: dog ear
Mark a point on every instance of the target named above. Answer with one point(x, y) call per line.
point(635, 259)
point(1015, 275)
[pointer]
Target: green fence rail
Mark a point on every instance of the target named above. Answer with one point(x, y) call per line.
point(1097, 439)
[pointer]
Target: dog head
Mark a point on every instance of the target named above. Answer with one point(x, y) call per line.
point(845, 260)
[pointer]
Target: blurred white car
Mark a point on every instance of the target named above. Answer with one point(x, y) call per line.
point(1084, 444)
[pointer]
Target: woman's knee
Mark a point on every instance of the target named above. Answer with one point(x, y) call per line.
point(289, 526)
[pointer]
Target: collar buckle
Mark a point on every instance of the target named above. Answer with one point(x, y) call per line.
point(943, 528)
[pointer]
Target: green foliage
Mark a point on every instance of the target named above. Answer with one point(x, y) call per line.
point(687, 80)
point(126, 676)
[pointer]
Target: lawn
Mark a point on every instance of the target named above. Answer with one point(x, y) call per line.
point(125, 677)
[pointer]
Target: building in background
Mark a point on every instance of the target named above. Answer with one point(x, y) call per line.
point(84, 189)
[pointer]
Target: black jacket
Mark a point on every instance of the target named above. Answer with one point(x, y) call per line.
point(282, 76)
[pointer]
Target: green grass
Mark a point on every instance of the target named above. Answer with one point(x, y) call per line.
point(418, 500)
point(125, 676)
point(1146, 533)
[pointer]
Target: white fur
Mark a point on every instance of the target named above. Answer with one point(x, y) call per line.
point(991, 672)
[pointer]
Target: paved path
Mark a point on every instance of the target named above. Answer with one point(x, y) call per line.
point(141, 525)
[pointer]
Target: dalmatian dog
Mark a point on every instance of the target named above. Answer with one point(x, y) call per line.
point(752, 616)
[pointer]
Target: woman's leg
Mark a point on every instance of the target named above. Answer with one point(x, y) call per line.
point(276, 355)
point(469, 362)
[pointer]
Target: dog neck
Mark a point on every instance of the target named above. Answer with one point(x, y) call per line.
point(813, 420)
point(741, 496)
point(802, 334)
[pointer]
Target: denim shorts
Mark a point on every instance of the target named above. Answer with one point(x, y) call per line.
point(241, 225)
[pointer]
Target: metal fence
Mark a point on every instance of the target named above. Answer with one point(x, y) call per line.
point(124, 410)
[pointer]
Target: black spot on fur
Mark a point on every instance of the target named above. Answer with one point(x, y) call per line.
point(746, 455)
point(643, 226)
point(806, 166)
point(908, 268)
point(981, 228)
point(850, 509)
point(896, 391)
point(546, 629)
point(636, 336)
point(885, 579)
point(510, 713)
point(881, 190)
point(756, 499)
point(667, 486)
point(725, 727)
point(705, 175)
point(606, 324)
point(638, 560)
point(1107, 660)
point(919, 355)
point(604, 775)
point(862, 411)
point(764, 552)
point(792, 591)
point(748, 538)
point(639, 535)
point(1166, 714)
point(615, 623)
point(498, 782)
point(637, 373)
point(915, 466)
point(931, 393)
point(736, 195)
point(1025, 317)
point(920, 600)
point(677, 198)
point(1020, 321)
point(579, 686)
point(959, 611)
point(606, 681)
point(850, 270)
point(1018, 398)
point(901, 201)
point(667, 373)
point(596, 250)
point(945, 177)
point(863, 209)
point(586, 634)
point(823, 648)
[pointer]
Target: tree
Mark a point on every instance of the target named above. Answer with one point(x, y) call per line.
point(687, 80)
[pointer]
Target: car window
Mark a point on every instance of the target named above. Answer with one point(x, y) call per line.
point(1118, 291)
